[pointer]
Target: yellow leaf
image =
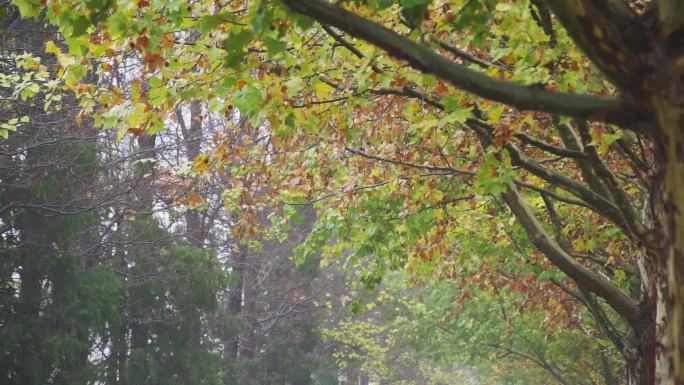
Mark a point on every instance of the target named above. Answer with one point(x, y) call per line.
point(201, 163)
point(51, 47)
point(436, 196)
point(323, 90)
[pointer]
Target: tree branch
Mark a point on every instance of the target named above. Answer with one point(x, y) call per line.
point(619, 196)
point(607, 328)
point(625, 306)
point(585, 279)
point(465, 55)
point(557, 225)
point(517, 95)
point(671, 15)
point(446, 170)
point(564, 152)
point(573, 142)
point(540, 361)
point(595, 201)
point(608, 32)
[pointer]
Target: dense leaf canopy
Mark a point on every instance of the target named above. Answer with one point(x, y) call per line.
point(520, 155)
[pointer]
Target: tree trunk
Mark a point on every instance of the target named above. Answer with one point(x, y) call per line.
point(234, 309)
point(248, 343)
point(642, 363)
point(671, 339)
point(29, 367)
point(119, 355)
point(192, 135)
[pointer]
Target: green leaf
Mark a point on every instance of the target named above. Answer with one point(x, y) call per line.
point(238, 40)
point(118, 24)
point(28, 8)
point(414, 11)
point(76, 72)
point(294, 85)
point(274, 46)
point(235, 46)
point(356, 307)
point(450, 103)
point(79, 26)
point(209, 22)
point(493, 176)
point(78, 46)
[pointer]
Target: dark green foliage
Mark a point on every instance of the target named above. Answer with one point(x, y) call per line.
point(57, 302)
point(172, 291)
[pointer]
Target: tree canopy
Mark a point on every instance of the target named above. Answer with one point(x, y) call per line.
point(526, 152)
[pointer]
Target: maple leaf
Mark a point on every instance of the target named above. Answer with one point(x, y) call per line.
point(193, 200)
point(154, 61)
point(142, 41)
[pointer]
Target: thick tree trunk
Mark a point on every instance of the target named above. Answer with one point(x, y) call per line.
point(671, 358)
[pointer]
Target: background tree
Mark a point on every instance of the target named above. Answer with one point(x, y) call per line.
point(117, 264)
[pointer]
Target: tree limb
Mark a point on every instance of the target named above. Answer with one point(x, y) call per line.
point(585, 279)
point(539, 361)
point(671, 15)
point(608, 32)
point(625, 306)
point(564, 152)
point(464, 55)
point(602, 321)
point(517, 95)
point(619, 196)
point(595, 201)
point(573, 142)
point(557, 225)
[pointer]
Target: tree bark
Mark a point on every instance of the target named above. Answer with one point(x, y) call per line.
point(671, 358)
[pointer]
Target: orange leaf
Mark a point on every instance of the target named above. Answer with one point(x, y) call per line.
point(194, 200)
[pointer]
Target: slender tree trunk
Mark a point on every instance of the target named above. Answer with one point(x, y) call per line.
point(28, 358)
point(192, 135)
point(608, 375)
point(120, 355)
point(248, 343)
point(136, 373)
point(234, 309)
point(194, 229)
